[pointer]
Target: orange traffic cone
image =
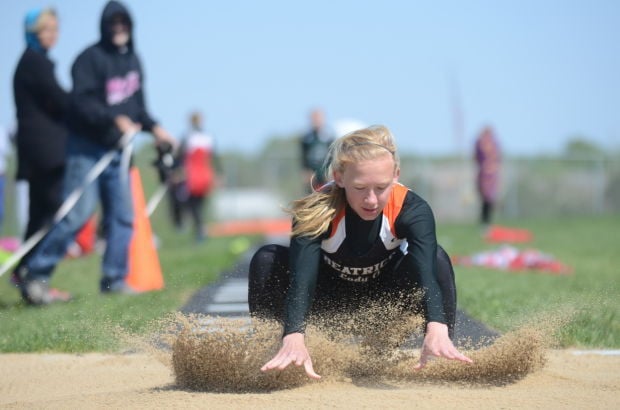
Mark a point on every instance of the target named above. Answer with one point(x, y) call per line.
point(144, 269)
point(87, 236)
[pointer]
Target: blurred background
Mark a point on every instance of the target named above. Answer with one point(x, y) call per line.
point(544, 75)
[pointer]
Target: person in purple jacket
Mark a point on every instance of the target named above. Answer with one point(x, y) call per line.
point(488, 160)
point(107, 101)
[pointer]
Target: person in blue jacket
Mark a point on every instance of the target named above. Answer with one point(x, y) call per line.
point(41, 106)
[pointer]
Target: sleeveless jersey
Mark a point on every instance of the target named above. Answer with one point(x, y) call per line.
point(347, 264)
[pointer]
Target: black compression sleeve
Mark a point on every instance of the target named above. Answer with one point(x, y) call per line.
point(305, 256)
point(416, 223)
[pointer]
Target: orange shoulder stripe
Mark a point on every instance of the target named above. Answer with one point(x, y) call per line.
point(391, 211)
point(336, 221)
point(395, 204)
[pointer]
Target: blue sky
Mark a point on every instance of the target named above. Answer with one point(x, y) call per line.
point(539, 71)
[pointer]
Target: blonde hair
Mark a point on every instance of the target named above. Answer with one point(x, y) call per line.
point(44, 16)
point(313, 213)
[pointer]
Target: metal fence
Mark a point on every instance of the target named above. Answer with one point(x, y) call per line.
point(534, 187)
point(528, 187)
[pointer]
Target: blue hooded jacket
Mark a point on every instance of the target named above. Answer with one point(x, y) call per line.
point(32, 39)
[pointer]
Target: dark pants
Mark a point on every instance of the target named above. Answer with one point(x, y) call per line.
point(269, 279)
point(180, 201)
point(177, 194)
point(195, 205)
point(44, 197)
point(486, 212)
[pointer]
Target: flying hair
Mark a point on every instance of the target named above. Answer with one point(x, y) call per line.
point(313, 213)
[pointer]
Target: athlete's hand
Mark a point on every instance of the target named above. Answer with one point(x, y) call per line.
point(293, 350)
point(437, 343)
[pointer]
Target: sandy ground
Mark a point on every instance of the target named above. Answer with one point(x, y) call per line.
point(60, 381)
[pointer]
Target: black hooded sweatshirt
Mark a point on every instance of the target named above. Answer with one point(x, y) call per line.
point(107, 81)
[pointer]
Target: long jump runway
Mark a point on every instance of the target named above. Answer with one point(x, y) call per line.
point(228, 297)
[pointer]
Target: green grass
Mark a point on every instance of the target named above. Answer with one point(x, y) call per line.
point(591, 295)
point(88, 322)
point(591, 245)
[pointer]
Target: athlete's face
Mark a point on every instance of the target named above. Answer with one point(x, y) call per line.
point(368, 184)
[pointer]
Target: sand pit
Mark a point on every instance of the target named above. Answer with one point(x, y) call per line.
point(207, 368)
point(58, 381)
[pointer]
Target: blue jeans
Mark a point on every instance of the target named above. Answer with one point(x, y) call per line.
point(112, 189)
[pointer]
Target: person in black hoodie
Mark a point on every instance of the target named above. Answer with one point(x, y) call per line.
point(40, 104)
point(107, 101)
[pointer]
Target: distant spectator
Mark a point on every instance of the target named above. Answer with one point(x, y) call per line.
point(314, 148)
point(488, 160)
point(107, 102)
point(41, 105)
point(200, 175)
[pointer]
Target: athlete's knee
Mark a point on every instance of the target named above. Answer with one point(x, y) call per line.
point(267, 259)
point(267, 284)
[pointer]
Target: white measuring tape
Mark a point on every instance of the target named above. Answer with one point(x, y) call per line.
point(69, 202)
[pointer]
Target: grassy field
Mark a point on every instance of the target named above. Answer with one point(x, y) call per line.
point(88, 322)
point(591, 245)
point(591, 295)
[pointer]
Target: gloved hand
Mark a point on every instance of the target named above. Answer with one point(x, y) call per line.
point(165, 162)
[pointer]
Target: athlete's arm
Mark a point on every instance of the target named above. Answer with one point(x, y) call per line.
point(417, 223)
point(305, 254)
point(304, 257)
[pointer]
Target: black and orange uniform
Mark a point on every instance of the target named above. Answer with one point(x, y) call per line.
point(354, 262)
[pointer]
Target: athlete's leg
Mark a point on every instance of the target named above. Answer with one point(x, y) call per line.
point(268, 282)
